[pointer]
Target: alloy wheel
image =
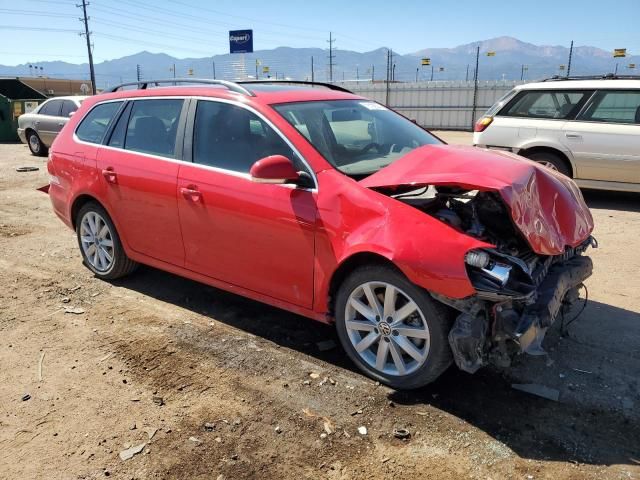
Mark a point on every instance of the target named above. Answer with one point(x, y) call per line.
point(34, 143)
point(387, 328)
point(97, 241)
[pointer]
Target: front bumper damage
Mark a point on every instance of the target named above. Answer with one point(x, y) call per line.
point(493, 327)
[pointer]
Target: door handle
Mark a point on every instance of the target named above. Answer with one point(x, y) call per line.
point(574, 136)
point(109, 175)
point(61, 124)
point(191, 193)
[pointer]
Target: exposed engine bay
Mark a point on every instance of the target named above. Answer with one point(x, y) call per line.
point(519, 293)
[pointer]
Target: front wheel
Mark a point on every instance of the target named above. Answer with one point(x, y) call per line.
point(552, 161)
point(100, 243)
point(392, 329)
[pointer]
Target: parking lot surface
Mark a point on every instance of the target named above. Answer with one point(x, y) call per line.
point(212, 385)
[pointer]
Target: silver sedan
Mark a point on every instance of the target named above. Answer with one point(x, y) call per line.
point(39, 128)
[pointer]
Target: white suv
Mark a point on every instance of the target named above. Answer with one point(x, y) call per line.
point(588, 129)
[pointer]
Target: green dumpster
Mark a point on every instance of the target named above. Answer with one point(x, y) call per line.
point(16, 98)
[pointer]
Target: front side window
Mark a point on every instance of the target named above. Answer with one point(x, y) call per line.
point(358, 137)
point(552, 104)
point(153, 125)
point(614, 107)
point(233, 138)
point(94, 125)
point(51, 108)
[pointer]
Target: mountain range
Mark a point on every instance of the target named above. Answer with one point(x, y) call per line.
point(513, 59)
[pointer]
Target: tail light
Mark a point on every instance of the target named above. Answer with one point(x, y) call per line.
point(482, 124)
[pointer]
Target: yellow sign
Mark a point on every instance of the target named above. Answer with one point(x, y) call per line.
point(632, 65)
point(491, 54)
point(426, 61)
point(441, 69)
point(190, 72)
point(619, 52)
point(562, 67)
point(265, 69)
point(17, 109)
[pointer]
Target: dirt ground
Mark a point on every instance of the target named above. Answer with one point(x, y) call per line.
point(216, 386)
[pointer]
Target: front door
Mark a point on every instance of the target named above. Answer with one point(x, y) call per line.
point(251, 235)
point(605, 138)
point(139, 172)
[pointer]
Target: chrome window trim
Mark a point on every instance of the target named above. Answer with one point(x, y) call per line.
point(232, 173)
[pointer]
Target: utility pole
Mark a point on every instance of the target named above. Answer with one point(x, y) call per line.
point(87, 35)
point(570, 55)
point(213, 64)
point(138, 71)
point(312, 73)
point(417, 70)
point(257, 63)
point(466, 79)
point(393, 73)
point(475, 88)
point(357, 74)
point(389, 54)
point(432, 73)
point(373, 73)
point(331, 56)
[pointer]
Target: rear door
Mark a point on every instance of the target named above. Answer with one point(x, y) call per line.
point(252, 235)
point(48, 121)
point(605, 138)
point(139, 169)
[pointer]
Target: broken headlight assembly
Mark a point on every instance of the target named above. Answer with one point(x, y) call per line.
point(493, 273)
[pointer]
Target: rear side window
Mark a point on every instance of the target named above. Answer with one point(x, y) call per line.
point(153, 125)
point(554, 104)
point(67, 107)
point(51, 108)
point(614, 107)
point(94, 125)
point(233, 138)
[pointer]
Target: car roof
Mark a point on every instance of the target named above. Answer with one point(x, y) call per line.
point(69, 97)
point(261, 93)
point(582, 85)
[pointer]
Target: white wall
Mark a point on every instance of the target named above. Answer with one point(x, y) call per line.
point(436, 105)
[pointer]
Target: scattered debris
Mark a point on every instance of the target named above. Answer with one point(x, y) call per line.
point(158, 401)
point(234, 456)
point(151, 432)
point(74, 310)
point(362, 430)
point(539, 390)
point(356, 412)
point(306, 382)
point(423, 414)
point(278, 429)
point(218, 440)
point(326, 345)
point(581, 371)
point(133, 427)
point(314, 375)
point(131, 452)
point(40, 367)
point(401, 433)
point(106, 357)
point(209, 426)
point(332, 381)
point(323, 435)
point(328, 426)
point(66, 300)
point(27, 169)
point(195, 440)
point(26, 397)
point(385, 459)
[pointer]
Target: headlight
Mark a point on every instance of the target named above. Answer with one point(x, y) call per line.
point(477, 258)
point(499, 272)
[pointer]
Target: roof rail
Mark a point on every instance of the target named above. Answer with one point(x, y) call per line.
point(330, 86)
point(144, 84)
point(606, 76)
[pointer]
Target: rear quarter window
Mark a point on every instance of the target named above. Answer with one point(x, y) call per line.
point(94, 125)
point(614, 106)
point(546, 104)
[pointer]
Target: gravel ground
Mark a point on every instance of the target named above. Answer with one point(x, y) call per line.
point(213, 386)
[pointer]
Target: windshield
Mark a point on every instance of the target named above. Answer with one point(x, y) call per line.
point(358, 137)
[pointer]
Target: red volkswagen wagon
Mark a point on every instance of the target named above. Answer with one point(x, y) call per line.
point(324, 203)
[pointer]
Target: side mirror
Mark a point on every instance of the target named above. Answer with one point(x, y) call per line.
point(274, 169)
point(71, 114)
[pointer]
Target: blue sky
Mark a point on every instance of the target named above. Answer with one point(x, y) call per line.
point(47, 29)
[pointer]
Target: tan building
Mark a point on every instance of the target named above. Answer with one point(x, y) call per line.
point(56, 87)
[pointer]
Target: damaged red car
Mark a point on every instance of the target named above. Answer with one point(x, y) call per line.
point(317, 201)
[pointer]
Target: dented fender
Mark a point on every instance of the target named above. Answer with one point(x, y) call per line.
point(358, 220)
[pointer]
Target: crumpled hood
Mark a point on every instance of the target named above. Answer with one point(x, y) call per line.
point(546, 206)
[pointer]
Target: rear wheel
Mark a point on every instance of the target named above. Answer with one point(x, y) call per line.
point(35, 145)
point(552, 161)
point(392, 329)
point(100, 244)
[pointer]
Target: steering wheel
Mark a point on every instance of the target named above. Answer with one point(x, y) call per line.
point(369, 146)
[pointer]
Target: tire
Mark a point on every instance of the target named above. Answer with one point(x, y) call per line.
point(97, 249)
point(430, 320)
point(35, 145)
point(551, 160)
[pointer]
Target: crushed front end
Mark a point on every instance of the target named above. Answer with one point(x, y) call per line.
point(519, 292)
